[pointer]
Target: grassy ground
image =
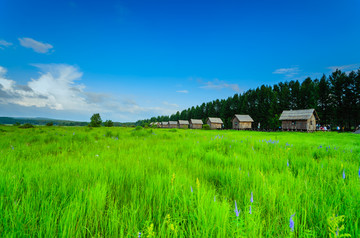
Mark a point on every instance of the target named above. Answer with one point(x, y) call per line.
point(117, 182)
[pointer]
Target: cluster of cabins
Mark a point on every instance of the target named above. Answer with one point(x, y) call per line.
point(294, 120)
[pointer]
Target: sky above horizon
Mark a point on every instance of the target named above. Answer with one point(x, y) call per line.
point(131, 60)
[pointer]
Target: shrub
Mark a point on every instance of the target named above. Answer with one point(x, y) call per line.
point(26, 125)
point(109, 123)
point(16, 124)
point(138, 128)
point(206, 127)
point(49, 124)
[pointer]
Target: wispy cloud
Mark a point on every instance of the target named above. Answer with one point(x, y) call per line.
point(219, 84)
point(346, 68)
point(4, 43)
point(288, 72)
point(170, 104)
point(58, 89)
point(37, 46)
point(182, 91)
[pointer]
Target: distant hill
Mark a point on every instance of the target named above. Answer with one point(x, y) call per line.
point(40, 121)
point(44, 121)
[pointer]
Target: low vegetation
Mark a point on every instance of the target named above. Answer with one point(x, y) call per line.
point(136, 182)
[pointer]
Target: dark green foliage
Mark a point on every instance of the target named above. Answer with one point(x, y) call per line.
point(108, 123)
point(206, 127)
point(49, 124)
point(335, 98)
point(138, 128)
point(26, 126)
point(95, 120)
point(16, 124)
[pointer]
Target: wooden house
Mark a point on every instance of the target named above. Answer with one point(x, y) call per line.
point(196, 123)
point(215, 122)
point(184, 124)
point(241, 122)
point(173, 124)
point(299, 120)
point(164, 124)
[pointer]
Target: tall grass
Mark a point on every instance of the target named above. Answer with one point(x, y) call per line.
point(117, 182)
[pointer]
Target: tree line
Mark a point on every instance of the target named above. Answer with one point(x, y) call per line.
point(336, 99)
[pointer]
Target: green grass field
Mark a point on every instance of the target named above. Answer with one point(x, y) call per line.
point(117, 182)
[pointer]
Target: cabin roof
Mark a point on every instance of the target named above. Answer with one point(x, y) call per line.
point(246, 118)
point(215, 120)
point(298, 115)
point(172, 122)
point(183, 122)
point(196, 121)
point(164, 123)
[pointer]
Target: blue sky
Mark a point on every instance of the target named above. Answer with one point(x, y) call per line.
point(131, 60)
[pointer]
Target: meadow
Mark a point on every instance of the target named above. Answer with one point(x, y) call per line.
point(123, 182)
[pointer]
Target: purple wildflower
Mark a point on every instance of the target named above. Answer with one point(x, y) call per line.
point(359, 172)
point(252, 198)
point(287, 163)
point(292, 224)
point(250, 209)
point(139, 236)
point(236, 210)
point(214, 198)
point(12, 147)
point(344, 174)
point(191, 189)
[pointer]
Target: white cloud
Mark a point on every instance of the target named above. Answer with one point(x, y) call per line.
point(57, 89)
point(170, 104)
point(182, 91)
point(345, 68)
point(219, 84)
point(4, 43)
point(288, 72)
point(37, 46)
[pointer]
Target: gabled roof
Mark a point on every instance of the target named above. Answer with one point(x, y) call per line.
point(246, 118)
point(172, 122)
point(298, 115)
point(215, 120)
point(164, 123)
point(183, 122)
point(196, 121)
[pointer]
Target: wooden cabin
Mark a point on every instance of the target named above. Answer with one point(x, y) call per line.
point(184, 124)
point(215, 122)
point(157, 124)
point(173, 124)
point(164, 124)
point(299, 120)
point(196, 123)
point(241, 122)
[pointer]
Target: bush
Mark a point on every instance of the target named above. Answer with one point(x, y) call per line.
point(138, 128)
point(109, 123)
point(206, 127)
point(16, 124)
point(49, 124)
point(26, 125)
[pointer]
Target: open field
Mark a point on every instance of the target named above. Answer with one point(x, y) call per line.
point(117, 182)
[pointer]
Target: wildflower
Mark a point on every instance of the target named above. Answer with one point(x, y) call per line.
point(139, 236)
point(251, 199)
point(287, 163)
point(250, 209)
point(191, 189)
point(359, 172)
point(12, 147)
point(236, 210)
point(240, 169)
point(292, 224)
point(73, 133)
point(214, 198)
point(344, 174)
point(97, 155)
